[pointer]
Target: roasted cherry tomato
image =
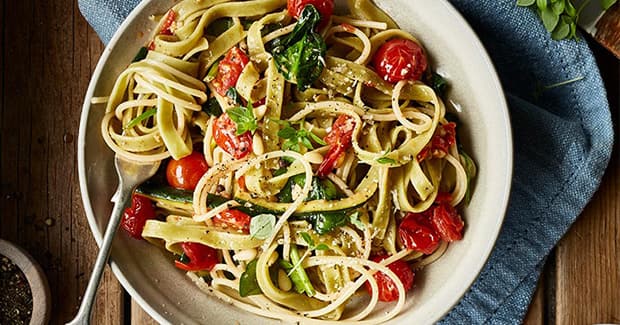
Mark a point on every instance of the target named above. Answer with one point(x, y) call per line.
point(443, 139)
point(166, 26)
point(229, 69)
point(201, 257)
point(417, 232)
point(225, 135)
point(135, 217)
point(233, 218)
point(400, 59)
point(187, 171)
point(387, 287)
point(325, 8)
point(241, 183)
point(447, 222)
point(339, 141)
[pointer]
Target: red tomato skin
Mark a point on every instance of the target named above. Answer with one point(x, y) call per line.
point(135, 217)
point(234, 219)
point(325, 8)
point(417, 232)
point(201, 257)
point(225, 135)
point(443, 139)
point(447, 222)
point(339, 141)
point(400, 59)
point(186, 172)
point(229, 70)
point(165, 28)
point(387, 288)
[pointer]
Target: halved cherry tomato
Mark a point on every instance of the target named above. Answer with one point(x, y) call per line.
point(187, 171)
point(233, 218)
point(387, 287)
point(443, 139)
point(166, 26)
point(325, 8)
point(416, 232)
point(400, 59)
point(136, 216)
point(201, 257)
point(447, 222)
point(241, 182)
point(225, 135)
point(339, 141)
point(229, 70)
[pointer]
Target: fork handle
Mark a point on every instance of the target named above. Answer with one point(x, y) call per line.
point(122, 199)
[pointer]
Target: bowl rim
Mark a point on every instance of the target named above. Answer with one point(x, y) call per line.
point(146, 306)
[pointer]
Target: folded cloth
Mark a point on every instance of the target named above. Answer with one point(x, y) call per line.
point(563, 139)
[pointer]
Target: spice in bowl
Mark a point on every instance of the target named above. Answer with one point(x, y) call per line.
point(16, 298)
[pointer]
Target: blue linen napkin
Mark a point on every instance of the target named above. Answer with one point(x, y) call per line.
point(563, 139)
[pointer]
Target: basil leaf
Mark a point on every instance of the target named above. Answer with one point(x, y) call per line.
point(606, 4)
point(244, 118)
point(561, 31)
point(248, 285)
point(525, 3)
point(306, 237)
point(386, 160)
point(549, 18)
point(262, 225)
point(287, 133)
point(322, 247)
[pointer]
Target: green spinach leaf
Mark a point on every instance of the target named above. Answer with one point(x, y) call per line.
point(300, 56)
point(248, 285)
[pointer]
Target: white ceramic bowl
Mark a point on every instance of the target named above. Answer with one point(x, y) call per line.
point(169, 296)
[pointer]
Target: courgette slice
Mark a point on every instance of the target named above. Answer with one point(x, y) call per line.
point(363, 193)
point(324, 215)
point(169, 198)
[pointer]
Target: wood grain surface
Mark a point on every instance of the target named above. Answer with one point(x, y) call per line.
point(47, 56)
point(608, 30)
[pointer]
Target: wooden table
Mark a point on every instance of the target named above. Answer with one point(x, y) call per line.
point(48, 53)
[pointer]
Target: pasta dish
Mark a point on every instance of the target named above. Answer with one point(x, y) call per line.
point(309, 166)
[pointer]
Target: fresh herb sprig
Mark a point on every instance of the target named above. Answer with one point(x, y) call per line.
point(295, 271)
point(261, 226)
point(295, 138)
point(244, 118)
point(560, 16)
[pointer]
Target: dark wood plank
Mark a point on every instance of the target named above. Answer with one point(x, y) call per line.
point(587, 267)
point(536, 313)
point(139, 316)
point(45, 73)
point(608, 30)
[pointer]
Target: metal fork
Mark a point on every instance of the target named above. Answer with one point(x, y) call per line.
point(130, 175)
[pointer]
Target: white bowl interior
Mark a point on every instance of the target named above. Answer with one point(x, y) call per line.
point(168, 295)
